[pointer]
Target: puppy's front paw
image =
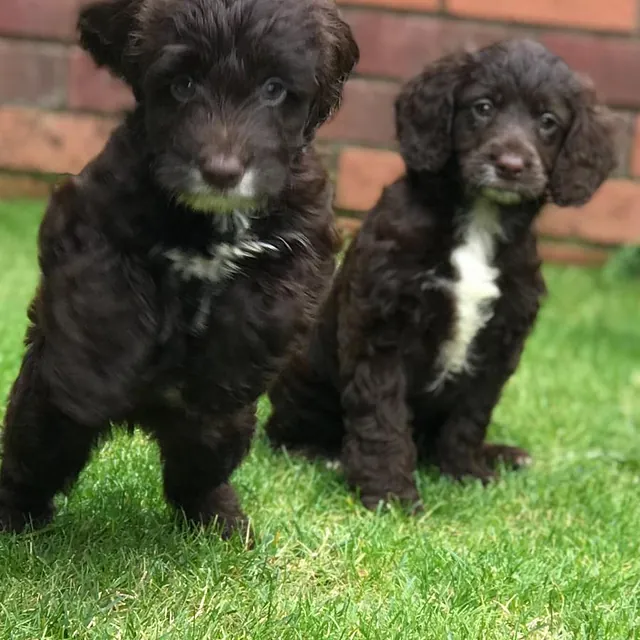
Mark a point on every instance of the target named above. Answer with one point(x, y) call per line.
point(228, 526)
point(14, 520)
point(221, 510)
point(409, 500)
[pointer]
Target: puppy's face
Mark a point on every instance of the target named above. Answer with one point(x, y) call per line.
point(513, 119)
point(231, 89)
point(512, 116)
point(226, 96)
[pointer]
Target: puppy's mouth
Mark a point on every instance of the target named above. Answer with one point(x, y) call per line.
point(509, 192)
point(213, 201)
point(529, 185)
point(205, 198)
point(502, 196)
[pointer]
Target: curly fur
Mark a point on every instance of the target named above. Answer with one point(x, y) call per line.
point(428, 316)
point(150, 311)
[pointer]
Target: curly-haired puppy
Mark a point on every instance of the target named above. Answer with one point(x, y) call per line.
point(429, 314)
point(184, 263)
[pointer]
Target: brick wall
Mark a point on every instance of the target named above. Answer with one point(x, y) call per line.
point(56, 109)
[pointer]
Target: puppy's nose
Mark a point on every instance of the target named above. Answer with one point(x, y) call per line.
point(222, 172)
point(509, 165)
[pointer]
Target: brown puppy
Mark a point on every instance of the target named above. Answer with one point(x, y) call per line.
point(429, 314)
point(186, 261)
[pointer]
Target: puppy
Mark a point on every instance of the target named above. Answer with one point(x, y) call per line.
point(184, 264)
point(429, 314)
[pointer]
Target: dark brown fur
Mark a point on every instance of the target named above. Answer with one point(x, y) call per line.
point(369, 388)
point(117, 334)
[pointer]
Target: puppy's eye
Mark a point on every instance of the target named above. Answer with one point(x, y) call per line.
point(548, 123)
point(273, 92)
point(483, 108)
point(183, 88)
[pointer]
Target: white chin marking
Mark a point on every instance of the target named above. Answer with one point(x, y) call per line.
point(247, 186)
point(501, 196)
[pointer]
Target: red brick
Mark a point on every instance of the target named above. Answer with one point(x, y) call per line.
point(565, 253)
point(415, 5)
point(95, 89)
point(39, 18)
point(411, 42)
point(35, 140)
point(362, 173)
point(604, 15)
point(624, 143)
point(399, 46)
point(17, 186)
point(366, 114)
point(635, 152)
point(33, 73)
point(613, 64)
point(612, 217)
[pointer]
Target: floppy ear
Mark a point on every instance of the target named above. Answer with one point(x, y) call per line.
point(424, 114)
point(339, 55)
point(105, 30)
point(587, 156)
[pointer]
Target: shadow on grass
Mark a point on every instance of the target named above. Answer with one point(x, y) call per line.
point(104, 545)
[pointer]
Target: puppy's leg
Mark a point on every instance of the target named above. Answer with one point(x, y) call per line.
point(460, 448)
point(306, 417)
point(199, 456)
point(379, 454)
point(43, 452)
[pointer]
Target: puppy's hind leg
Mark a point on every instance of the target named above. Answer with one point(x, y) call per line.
point(307, 416)
point(199, 455)
point(43, 451)
point(461, 450)
point(512, 457)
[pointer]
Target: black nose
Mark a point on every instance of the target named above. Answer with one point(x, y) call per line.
point(509, 165)
point(222, 172)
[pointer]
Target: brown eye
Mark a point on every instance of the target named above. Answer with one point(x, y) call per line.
point(548, 124)
point(273, 92)
point(183, 88)
point(483, 109)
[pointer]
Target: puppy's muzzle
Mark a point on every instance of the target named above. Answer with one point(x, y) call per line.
point(510, 170)
point(222, 172)
point(222, 184)
point(510, 165)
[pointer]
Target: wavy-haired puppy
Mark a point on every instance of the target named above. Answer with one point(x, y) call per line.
point(429, 314)
point(184, 264)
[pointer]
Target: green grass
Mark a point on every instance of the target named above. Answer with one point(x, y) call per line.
point(553, 552)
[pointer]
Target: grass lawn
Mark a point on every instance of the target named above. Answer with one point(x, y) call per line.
point(553, 552)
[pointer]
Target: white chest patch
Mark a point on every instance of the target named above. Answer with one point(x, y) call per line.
point(474, 289)
point(224, 259)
